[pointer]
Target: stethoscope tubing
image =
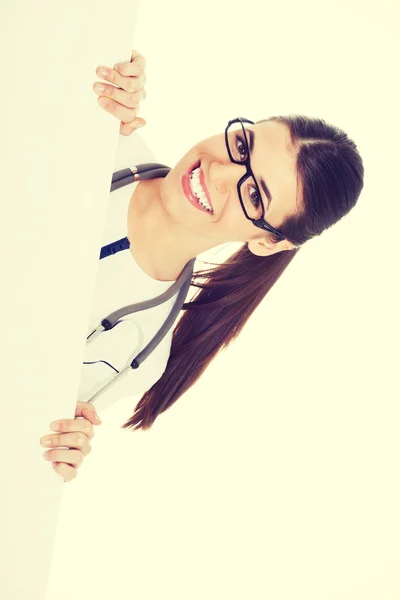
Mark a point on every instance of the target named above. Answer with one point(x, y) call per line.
point(147, 171)
point(113, 318)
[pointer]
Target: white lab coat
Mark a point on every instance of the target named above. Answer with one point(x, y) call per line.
point(120, 281)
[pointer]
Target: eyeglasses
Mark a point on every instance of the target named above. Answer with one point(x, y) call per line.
point(248, 190)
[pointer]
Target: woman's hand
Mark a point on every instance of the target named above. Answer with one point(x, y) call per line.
point(123, 98)
point(76, 435)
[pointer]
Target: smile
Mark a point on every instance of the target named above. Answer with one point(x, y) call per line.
point(195, 189)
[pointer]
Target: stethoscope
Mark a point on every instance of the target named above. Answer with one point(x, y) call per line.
point(179, 287)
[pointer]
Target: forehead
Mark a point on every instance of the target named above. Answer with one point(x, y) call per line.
point(274, 159)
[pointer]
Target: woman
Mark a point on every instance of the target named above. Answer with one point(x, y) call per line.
point(272, 185)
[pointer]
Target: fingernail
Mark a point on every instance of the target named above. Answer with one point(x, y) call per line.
point(98, 418)
point(102, 72)
point(99, 88)
point(56, 426)
point(102, 101)
point(46, 443)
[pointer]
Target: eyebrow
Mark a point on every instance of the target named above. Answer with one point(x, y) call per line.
point(263, 184)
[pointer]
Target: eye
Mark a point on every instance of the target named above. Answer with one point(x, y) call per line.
point(241, 148)
point(254, 196)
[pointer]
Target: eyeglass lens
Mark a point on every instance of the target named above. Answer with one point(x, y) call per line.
point(248, 189)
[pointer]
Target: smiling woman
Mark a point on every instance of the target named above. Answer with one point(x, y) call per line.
point(310, 174)
point(272, 185)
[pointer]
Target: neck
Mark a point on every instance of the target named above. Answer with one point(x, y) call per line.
point(159, 245)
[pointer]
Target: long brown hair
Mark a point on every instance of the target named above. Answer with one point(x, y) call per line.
point(331, 173)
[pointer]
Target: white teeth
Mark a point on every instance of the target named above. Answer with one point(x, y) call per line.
point(198, 190)
point(200, 195)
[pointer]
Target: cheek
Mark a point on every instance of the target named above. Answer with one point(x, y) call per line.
point(234, 220)
point(174, 200)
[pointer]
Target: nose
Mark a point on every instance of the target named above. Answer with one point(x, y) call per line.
point(227, 177)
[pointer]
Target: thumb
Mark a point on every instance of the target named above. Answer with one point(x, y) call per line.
point(128, 128)
point(88, 411)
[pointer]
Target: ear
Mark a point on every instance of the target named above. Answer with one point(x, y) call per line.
point(264, 247)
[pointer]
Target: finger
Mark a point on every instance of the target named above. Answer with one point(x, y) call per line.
point(124, 98)
point(127, 115)
point(131, 69)
point(135, 66)
point(136, 56)
point(77, 440)
point(67, 472)
point(128, 128)
point(88, 411)
point(71, 425)
point(129, 84)
point(71, 457)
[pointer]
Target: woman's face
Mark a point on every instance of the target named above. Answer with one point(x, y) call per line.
point(272, 159)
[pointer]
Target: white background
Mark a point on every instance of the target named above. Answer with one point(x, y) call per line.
point(57, 152)
point(284, 486)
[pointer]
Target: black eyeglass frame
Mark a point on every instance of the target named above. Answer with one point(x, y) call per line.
point(261, 223)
